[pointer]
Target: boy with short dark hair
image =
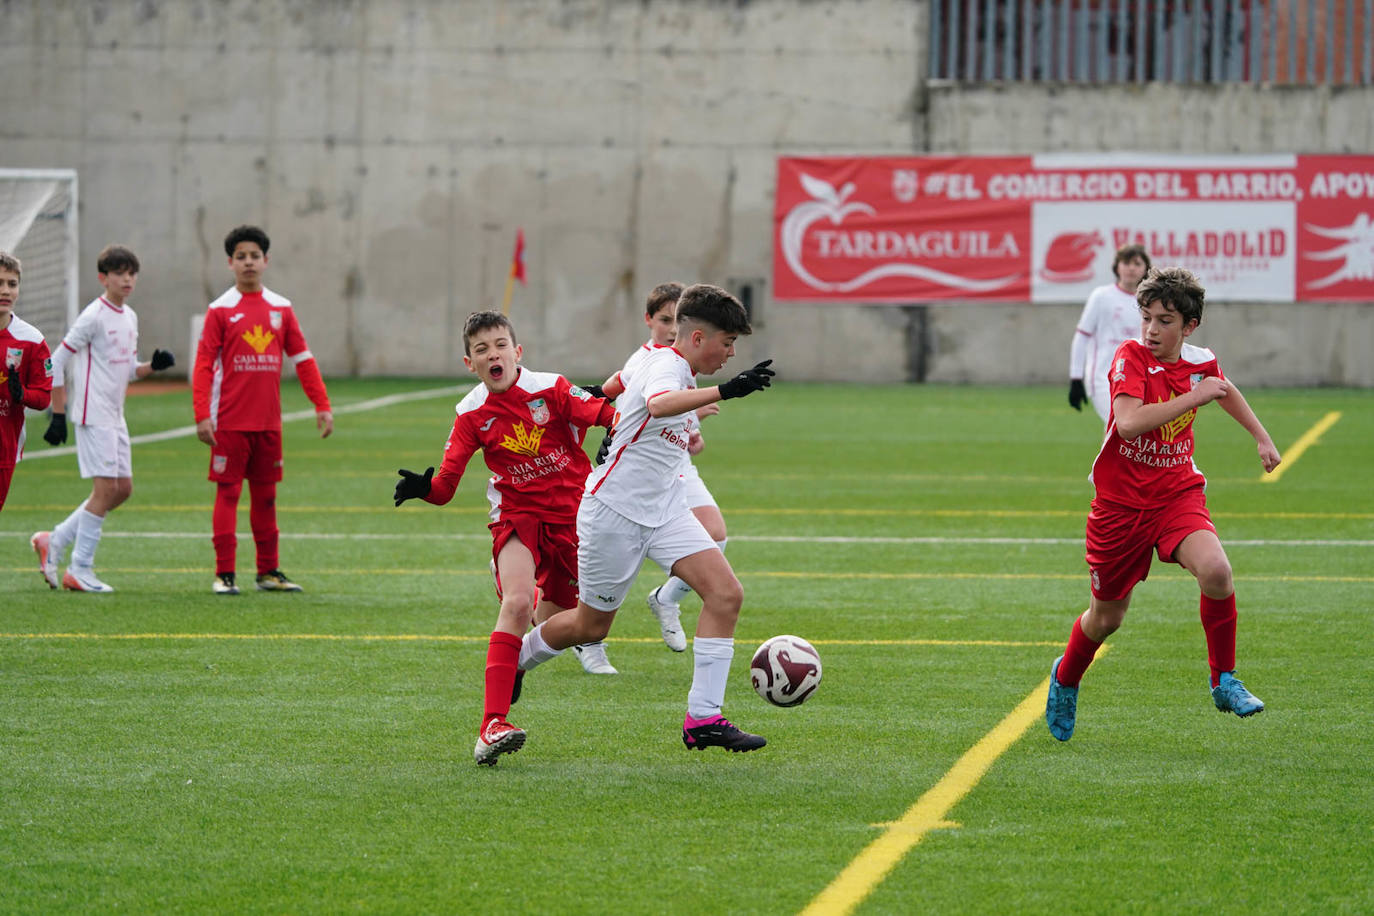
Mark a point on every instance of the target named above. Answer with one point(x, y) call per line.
point(236, 392)
point(102, 347)
point(25, 374)
point(529, 427)
point(1150, 494)
point(633, 508)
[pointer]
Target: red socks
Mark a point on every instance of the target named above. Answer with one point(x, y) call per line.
point(503, 655)
point(262, 518)
point(1219, 623)
point(1078, 655)
point(222, 523)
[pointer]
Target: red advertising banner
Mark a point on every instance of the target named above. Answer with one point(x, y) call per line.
point(1045, 228)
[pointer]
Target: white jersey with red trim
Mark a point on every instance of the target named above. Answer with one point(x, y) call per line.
point(632, 364)
point(1110, 317)
point(641, 478)
point(102, 349)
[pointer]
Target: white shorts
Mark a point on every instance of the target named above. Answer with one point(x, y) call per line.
point(611, 549)
point(103, 451)
point(694, 491)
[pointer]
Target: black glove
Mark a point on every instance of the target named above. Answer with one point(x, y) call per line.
point(412, 485)
point(748, 381)
point(1077, 394)
point(57, 429)
point(604, 451)
point(594, 390)
point(16, 386)
point(163, 359)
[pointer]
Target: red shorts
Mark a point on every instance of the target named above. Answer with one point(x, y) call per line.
point(254, 454)
point(6, 475)
point(554, 548)
point(1120, 540)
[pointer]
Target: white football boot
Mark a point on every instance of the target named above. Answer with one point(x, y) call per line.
point(593, 658)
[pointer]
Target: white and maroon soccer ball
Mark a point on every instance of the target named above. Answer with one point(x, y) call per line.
point(786, 670)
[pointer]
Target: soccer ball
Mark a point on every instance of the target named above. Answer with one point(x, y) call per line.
point(786, 670)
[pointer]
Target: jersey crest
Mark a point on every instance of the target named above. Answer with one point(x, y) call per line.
point(274, 317)
point(539, 410)
point(524, 442)
point(259, 339)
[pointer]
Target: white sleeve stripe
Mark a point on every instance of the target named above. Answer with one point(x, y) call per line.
point(300, 357)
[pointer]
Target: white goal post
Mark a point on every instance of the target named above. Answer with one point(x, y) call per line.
point(38, 225)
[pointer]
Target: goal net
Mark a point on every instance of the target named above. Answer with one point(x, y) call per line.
point(38, 226)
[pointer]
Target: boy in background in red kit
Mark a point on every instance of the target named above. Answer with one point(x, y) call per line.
point(236, 391)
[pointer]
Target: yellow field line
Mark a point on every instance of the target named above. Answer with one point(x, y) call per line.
point(424, 637)
point(873, 864)
point(1305, 441)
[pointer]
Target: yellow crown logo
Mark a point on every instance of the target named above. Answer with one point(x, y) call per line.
point(257, 338)
point(1170, 431)
point(525, 442)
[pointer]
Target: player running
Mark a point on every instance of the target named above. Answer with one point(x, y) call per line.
point(102, 349)
point(529, 426)
point(633, 508)
point(1150, 494)
point(660, 315)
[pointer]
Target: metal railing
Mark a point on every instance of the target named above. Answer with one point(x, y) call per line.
point(1177, 41)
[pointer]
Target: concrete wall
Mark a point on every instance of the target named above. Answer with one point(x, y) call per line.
point(393, 147)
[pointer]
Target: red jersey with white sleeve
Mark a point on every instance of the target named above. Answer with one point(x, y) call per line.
point(237, 379)
point(102, 347)
point(26, 353)
point(1150, 470)
point(531, 438)
point(641, 478)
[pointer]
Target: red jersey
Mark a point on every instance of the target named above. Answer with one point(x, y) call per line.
point(237, 379)
point(25, 353)
point(1149, 470)
point(531, 438)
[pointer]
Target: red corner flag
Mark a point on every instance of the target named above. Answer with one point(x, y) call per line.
point(517, 270)
point(517, 263)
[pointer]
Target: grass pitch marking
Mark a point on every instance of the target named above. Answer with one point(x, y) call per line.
point(450, 638)
point(930, 811)
point(1305, 441)
point(181, 432)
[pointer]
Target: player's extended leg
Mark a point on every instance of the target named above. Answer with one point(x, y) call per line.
point(1090, 630)
point(665, 600)
point(713, 648)
point(1202, 555)
point(515, 573)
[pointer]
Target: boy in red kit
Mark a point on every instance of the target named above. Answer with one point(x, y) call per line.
point(1150, 494)
point(529, 426)
point(25, 374)
point(236, 391)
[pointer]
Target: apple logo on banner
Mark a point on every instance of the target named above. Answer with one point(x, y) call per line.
point(834, 206)
point(1357, 251)
point(1070, 257)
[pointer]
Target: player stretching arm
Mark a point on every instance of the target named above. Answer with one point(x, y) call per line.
point(529, 426)
point(1150, 496)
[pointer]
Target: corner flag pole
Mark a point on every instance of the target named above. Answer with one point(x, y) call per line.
point(516, 272)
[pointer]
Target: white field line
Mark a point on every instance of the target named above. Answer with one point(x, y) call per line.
point(181, 432)
point(737, 538)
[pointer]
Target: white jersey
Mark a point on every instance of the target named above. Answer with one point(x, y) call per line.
point(642, 477)
point(102, 347)
point(1110, 317)
point(637, 359)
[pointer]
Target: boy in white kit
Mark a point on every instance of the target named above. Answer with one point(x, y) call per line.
point(1111, 316)
point(633, 508)
point(102, 347)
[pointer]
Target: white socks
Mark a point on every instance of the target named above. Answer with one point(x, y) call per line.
point(88, 531)
point(674, 590)
point(534, 651)
point(64, 534)
point(711, 657)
